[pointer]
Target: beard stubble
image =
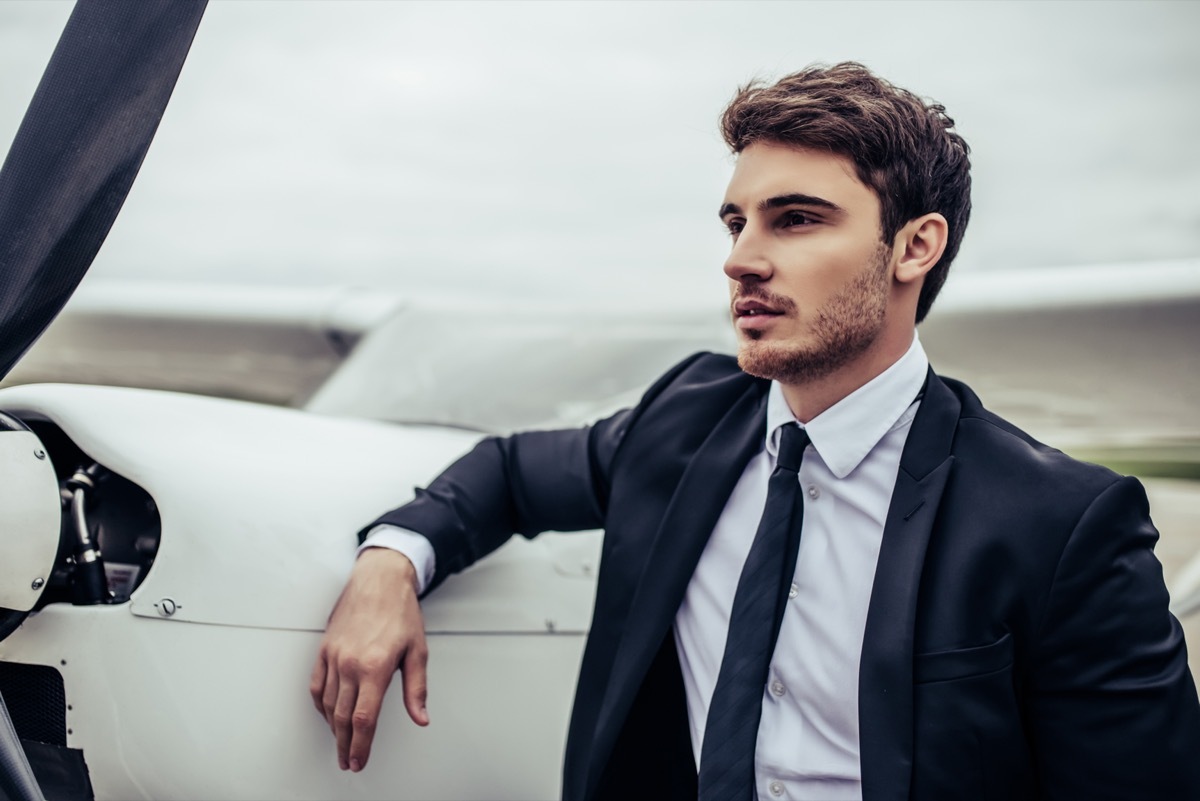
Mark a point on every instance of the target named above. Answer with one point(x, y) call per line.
point(840, 331)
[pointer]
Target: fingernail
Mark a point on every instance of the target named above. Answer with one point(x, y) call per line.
point(342, 764)
point(355, 765)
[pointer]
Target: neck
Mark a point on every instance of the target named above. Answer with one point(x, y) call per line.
point(808, 399)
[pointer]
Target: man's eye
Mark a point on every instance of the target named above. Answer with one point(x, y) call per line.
point(796, 218)
point(735, 226)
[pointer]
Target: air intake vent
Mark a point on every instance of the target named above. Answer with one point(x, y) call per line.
point(36, 701)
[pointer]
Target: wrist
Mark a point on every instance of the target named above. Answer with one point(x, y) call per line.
point(396, 565)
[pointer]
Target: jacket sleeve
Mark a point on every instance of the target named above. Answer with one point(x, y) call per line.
point(1114, 708)
point(526, 483)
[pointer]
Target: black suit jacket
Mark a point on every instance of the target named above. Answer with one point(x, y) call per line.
point(1017, 645)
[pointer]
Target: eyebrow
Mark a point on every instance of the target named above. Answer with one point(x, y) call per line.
point(779, 201)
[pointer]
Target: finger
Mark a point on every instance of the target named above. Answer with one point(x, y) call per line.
point(414, 683)
point(330, 693)
point(343, 711)
point(316, 684)
point(366, 715)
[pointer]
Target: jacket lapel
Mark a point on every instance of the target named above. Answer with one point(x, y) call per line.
point(704, 487)
point(885, 689)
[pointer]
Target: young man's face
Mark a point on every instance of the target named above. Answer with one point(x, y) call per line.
point(810, 279)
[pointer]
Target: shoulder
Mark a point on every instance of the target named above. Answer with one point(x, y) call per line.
point(1005, 457)
point(700, 377)
point(679, 410)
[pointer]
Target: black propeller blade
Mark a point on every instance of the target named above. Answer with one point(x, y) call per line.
point(66, 176)
point(78, 150)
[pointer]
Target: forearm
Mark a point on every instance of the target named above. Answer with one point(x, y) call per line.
point(524, 484)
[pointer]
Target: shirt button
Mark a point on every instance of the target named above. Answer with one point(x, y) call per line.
point(793, 591)
point(776, 788)
point(813, 492)
point(777, 688)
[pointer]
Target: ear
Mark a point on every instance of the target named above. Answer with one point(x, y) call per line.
point(919, 245)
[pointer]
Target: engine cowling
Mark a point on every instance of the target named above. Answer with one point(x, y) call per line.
point(30, 520)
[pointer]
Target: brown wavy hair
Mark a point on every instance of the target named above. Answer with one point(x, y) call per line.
point(905, 149)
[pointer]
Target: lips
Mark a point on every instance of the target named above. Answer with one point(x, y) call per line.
point(754, 308)
point(756, 313)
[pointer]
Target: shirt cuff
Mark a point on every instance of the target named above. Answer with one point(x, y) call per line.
point(414, 546)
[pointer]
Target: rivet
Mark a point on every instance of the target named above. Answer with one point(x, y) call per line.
point(39, 453)
point(38, 583)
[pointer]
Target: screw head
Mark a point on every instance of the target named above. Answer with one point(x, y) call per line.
point(38, 583)
point(167, 607)
point(39, 453)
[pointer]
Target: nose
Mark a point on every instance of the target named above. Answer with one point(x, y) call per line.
point(747, 259)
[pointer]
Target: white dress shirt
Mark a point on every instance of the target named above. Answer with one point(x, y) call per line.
point(808, 744)
point(808, 735)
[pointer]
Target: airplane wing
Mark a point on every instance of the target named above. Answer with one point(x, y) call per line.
point(268, 344)
point(1092, 357)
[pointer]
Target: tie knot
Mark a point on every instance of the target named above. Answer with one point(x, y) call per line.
point(792, 442)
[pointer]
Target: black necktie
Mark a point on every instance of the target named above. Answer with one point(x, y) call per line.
point(727, 754)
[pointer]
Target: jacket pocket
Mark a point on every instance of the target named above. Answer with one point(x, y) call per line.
point(964, 663)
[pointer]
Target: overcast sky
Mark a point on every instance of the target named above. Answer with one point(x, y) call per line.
point(569, 150)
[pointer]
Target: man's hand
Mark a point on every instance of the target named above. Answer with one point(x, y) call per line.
point(375, 628)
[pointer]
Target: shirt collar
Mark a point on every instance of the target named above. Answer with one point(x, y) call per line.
point(846, 432)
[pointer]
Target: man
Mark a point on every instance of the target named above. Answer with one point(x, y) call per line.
point(827, 572)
